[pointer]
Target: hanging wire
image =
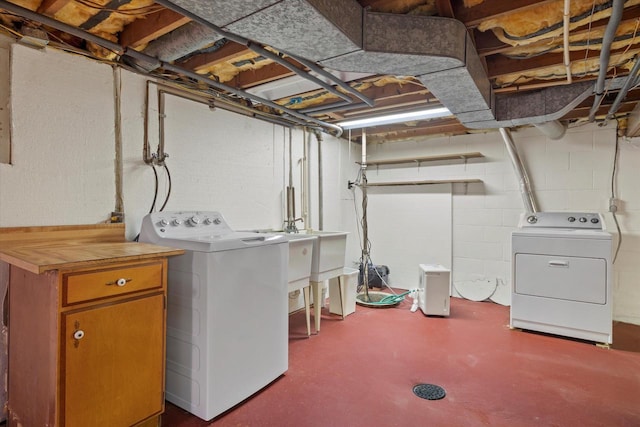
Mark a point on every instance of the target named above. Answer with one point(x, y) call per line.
point(613, 193)
point(155, 191)
point(168, 190)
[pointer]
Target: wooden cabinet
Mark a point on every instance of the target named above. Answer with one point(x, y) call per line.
point(87, 340)
point(101, 349)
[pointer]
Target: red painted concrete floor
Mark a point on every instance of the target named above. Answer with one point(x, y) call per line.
point(361, 371)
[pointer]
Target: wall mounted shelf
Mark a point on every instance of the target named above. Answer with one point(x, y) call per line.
point(428, 182)
point(418, 160)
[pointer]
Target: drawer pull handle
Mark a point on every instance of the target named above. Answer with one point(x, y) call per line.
point(120, 282)
point(78, 335)
point(558, 263)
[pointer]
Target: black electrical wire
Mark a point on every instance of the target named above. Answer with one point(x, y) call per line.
point(169, 190)
point(155, 191)
point(613, 195)
point(155, 197)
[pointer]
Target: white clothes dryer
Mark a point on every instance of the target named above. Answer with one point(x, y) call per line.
point(227, 310)
point(562, 275)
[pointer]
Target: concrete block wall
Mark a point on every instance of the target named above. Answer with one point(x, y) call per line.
point(570, 174)
point(62, 170)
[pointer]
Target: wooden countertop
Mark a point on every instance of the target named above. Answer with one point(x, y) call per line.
point(38, 249)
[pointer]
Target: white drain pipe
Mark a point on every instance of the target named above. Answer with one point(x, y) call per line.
point(521, 173)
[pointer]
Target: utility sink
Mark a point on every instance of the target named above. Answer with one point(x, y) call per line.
point(300, 259)
point(327, 258)
point(328, 254)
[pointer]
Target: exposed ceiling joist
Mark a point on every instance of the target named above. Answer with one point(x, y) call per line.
point(51, 7)
point(268, 73)
point(488, 9)
point(142, 31)
point(226, 53)
point(445, 9)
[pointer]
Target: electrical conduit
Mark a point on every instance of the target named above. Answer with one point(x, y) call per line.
point(605, 53)
point(521, 173)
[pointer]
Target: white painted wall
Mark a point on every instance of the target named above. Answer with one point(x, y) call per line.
point(63, 170)
point(571, 174)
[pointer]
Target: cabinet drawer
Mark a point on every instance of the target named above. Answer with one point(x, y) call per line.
point(95, 284)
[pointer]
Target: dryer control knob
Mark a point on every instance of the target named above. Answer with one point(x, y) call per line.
point(163, 222)
point(217, 221)
point(595, 220)
point(194, 220)
point(176, 222)
point(208, 221)
point(582, 219)
point(571, 219)
point(531, 219)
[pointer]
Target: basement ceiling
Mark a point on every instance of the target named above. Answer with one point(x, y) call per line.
point(492, 63)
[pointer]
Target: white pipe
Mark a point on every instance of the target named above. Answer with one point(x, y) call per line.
point(304, 196)
point(552, 130)
point(366, 256)
point(567, 21)
point(363, 161)
point(519, 169)
point(320, 183)
point(617, 9)
point(117, 95)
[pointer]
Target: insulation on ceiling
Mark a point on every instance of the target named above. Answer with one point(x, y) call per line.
point(545, 20)
point(587, 67)
point(78, 12)
point(319, 96)
point(226, 71)
point(628, 33)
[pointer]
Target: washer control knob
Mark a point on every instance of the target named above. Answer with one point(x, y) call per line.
point(582, 219)
point(176, 222)
point(194, 220)
point(571, 219)
point(531, 219)
point(595, 220)
point(164, 222)
point(208, 221)
point(216, 221)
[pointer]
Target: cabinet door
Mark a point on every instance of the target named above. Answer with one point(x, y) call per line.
point(113, 362)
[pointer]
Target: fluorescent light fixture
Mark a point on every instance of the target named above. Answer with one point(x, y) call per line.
point(431, 113)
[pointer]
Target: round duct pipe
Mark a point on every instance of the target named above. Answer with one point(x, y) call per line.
point(552, 130)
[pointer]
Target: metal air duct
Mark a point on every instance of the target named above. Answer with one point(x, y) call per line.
point(341, 35)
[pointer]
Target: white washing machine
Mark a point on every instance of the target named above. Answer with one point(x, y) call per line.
point(562, 275)
point(227, 316)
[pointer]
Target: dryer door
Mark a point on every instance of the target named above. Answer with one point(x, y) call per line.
point(561, 277)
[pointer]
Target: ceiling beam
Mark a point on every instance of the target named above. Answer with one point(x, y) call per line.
point(143, 31)
point(51, 7)
point(445, 9)
point(583, 113)
point(268, 73)
point(472, 16)
point(501, 65)
point(228, 52)
point(452, 128)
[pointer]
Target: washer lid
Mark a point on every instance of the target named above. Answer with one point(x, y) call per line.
point(222, 242)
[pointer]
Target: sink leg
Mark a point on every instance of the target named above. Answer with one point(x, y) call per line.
point(316, 288)
point(307, 311)
point(342, 295)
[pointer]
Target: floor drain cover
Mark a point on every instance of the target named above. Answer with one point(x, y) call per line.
point(429, 391)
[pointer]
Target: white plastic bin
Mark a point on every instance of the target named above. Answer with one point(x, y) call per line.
point(349, 289)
